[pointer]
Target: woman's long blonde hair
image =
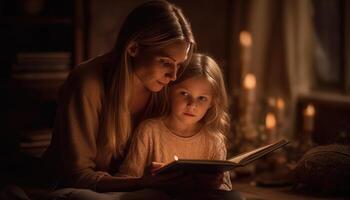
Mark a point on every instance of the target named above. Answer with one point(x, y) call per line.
point(216, 119)
point(153, 24)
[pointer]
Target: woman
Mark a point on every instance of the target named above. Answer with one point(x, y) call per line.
point(105, 98)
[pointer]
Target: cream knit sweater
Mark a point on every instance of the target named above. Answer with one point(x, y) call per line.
point(154, 142)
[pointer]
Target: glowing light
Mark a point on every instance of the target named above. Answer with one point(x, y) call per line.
point(176, 158)
point(310, 110)
point(245, 38)
point(270, 121)
point(280, 104)
point(249, 81)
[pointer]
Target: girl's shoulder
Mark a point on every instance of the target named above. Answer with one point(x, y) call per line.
point(215, 137)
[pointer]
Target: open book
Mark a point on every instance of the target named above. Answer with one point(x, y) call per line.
point(213, 166)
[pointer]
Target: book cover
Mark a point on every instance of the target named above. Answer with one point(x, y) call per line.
point(215, 166)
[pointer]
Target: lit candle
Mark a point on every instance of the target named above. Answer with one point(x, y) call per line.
point(280, 108)
point(246, 41)
point(176, 158)
point(249, 84)
point(248, 95)
point(309, 115)
point(270, 124)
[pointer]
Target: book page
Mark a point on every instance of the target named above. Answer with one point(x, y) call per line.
point(257, 152)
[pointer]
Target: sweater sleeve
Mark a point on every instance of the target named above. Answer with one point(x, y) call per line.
point(138, 157)
point(77, 126)
point(220, 153)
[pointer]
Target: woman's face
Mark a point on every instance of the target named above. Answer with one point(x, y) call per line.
point(155, 68)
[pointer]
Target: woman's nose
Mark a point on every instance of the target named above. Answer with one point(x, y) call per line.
point(172, 73)
point(173, 76)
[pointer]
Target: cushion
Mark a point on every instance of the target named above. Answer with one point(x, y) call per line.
point(325, 167)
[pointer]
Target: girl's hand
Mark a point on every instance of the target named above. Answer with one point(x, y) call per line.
point(154, 167)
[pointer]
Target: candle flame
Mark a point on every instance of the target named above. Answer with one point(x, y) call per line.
point(280, 103)
point(176, 158)
point(249, 81)
point(270, 121)
point(245, 38)
point(310, 110)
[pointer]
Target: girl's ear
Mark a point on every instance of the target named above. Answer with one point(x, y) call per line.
point(133, 49)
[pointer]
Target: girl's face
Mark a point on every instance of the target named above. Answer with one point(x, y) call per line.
point(156, 68)
point(190, 100)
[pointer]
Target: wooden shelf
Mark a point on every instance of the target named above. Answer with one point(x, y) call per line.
point(38, 90)
point(41, 49)
point(38, 20)
point(327, 97)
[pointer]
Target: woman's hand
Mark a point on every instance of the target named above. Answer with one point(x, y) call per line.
point(164, 181)
point(208, 181)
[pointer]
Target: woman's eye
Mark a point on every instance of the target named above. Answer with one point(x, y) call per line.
point(165, 63)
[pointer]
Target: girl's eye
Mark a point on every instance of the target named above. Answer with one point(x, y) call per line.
point(185, 94)
point(203, 98)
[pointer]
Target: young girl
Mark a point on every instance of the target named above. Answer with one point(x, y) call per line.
point(195, 128)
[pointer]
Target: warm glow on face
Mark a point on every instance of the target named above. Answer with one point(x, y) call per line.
point(176, 158)
point(280, 103)
point(249, 81)
point(270, 121)
point(245, 38)
point(310, 110)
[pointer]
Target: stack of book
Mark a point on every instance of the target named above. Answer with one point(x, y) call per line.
point(41, 65)
point(34, 143)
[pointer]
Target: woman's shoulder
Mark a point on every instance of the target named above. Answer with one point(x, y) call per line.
point(148, 128)
point(90, 70)
point(89, 75)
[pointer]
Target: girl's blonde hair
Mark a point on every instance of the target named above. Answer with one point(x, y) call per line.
point(153, 24)
point(216, 119)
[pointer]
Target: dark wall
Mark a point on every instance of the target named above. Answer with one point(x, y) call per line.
point(209, 19)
